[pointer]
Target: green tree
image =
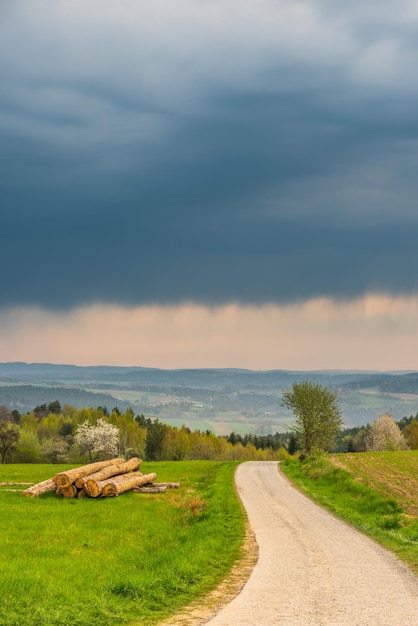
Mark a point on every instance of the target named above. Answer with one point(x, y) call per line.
point(66, 429)
point(54, 407)
point(9, 437)
point(28, 449)
point(293, 444)
point(154, 442)
point(176, 443)
point(317, 415)
point(16, 416)
point(410, 433)
point(131, 435)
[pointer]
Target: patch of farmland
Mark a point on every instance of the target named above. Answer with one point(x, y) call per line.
point(392, 474)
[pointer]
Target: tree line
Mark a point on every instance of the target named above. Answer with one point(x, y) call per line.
point(54, 434)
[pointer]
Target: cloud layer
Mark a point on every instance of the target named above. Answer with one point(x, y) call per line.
point(208, 152)
point(370, 333)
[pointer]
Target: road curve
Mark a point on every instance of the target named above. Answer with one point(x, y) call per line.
point(313, 569)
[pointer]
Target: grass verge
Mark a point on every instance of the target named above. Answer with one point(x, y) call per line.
point(384, 518)
point(131, 560)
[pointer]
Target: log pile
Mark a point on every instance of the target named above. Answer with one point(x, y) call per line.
point(102, 479)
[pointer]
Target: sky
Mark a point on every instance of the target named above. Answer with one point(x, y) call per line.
point(209, 183)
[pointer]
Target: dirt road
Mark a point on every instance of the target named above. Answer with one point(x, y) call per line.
point(313, 570)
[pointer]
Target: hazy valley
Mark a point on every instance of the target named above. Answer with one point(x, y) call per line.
point(220, 400)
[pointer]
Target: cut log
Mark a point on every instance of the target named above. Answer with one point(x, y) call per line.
point(157, 487)
point(167, 485)
point(81, 494)
point(94, 488)
point(153, 489)
point(36, 490)
point(111, 470)
point(65, 479)
point(10, 484)
point(115, 488)
point(69, 492)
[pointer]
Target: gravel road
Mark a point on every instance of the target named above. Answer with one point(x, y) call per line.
point(313, 570)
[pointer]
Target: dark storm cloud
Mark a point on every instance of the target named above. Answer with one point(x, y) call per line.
point(287, 171)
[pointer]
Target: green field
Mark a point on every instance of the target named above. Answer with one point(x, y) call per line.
point(138, 558)
point(131, 560)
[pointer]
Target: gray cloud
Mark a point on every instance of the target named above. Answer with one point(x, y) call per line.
point(220, 152)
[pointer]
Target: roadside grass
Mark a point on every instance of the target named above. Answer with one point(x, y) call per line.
point(130, 560)
point(377, 510)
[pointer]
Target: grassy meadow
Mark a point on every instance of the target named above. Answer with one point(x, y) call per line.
point(131, 560)
point(138, 558)
point(377, 492)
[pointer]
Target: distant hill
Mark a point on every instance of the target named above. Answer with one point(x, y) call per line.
point(205, 378)
point(24, 398)
point(389, 383)
point(220, 399)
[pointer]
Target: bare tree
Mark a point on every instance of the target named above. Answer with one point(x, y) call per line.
point(5, 414)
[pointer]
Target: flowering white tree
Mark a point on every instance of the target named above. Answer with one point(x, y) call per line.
point(385, 434)
point(97, 439)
